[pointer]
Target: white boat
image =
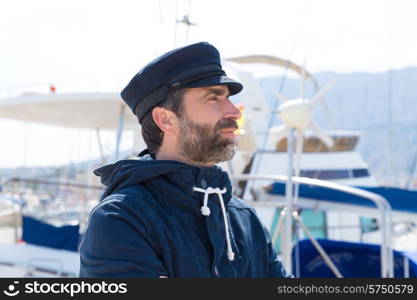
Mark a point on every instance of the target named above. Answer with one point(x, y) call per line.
point(75, 110)
point(340, 163)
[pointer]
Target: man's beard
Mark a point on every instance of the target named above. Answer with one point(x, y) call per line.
point(203, 143)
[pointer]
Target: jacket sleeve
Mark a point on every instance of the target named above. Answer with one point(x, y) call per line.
point(117, 243)
point(276, 269)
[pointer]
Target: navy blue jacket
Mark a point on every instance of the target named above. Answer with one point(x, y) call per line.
point(149, 224)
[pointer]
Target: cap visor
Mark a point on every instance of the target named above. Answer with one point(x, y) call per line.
point(234, 86)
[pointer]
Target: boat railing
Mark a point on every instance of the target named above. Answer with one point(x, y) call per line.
point(17, 187)
point(384, 208)
point(33, 266)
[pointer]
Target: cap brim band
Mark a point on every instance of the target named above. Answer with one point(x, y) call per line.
point(234, 86)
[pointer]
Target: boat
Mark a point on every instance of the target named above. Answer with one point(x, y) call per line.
point(39, 236)
point(338, 168)
point(54, 204)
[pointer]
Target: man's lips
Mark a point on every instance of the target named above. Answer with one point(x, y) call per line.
point(229, 132)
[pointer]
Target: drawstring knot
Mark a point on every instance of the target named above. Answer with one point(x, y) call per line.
point(205, 210)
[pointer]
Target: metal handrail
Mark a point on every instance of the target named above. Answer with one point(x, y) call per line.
point(47, 182)
point(387, 266)
point(32, 263)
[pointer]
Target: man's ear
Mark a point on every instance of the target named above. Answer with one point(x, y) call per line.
point(165, 119)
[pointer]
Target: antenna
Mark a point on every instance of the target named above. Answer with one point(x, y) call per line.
point(185, 20)
point(296, 116)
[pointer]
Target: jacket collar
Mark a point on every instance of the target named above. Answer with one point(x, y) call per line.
point(178, 186)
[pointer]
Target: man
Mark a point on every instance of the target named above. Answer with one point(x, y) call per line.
point(171, 213)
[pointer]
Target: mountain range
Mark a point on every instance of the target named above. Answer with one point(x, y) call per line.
point(382, 106)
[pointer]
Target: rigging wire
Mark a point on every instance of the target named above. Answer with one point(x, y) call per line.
point(281, 86)
point(389, 163)
point(161, 15)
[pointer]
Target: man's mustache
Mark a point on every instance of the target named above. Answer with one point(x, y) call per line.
point(226, 124)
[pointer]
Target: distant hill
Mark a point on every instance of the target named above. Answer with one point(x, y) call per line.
point(362, 101)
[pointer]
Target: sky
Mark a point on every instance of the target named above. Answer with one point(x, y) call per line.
point(99, 45)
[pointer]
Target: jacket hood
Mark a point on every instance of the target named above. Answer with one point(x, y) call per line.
point(144, 169)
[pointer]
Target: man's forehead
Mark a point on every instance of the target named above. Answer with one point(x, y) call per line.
point(205, 90)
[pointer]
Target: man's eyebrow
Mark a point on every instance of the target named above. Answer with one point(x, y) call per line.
point(216, 91)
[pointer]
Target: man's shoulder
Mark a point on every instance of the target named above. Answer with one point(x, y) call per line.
point(136, 196)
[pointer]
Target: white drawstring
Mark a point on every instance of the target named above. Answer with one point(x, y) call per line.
point(205, 210)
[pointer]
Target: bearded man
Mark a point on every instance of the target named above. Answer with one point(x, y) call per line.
point(171, 212)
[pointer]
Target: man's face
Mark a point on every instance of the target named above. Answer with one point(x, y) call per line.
point(207, 125)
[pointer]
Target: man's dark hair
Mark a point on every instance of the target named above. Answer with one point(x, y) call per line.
point(151, 133)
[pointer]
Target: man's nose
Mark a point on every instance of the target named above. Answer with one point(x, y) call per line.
point(232, 112)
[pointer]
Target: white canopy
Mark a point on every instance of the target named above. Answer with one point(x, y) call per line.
point(75, 110)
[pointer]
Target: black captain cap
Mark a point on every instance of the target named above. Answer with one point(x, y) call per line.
point(196, 65)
